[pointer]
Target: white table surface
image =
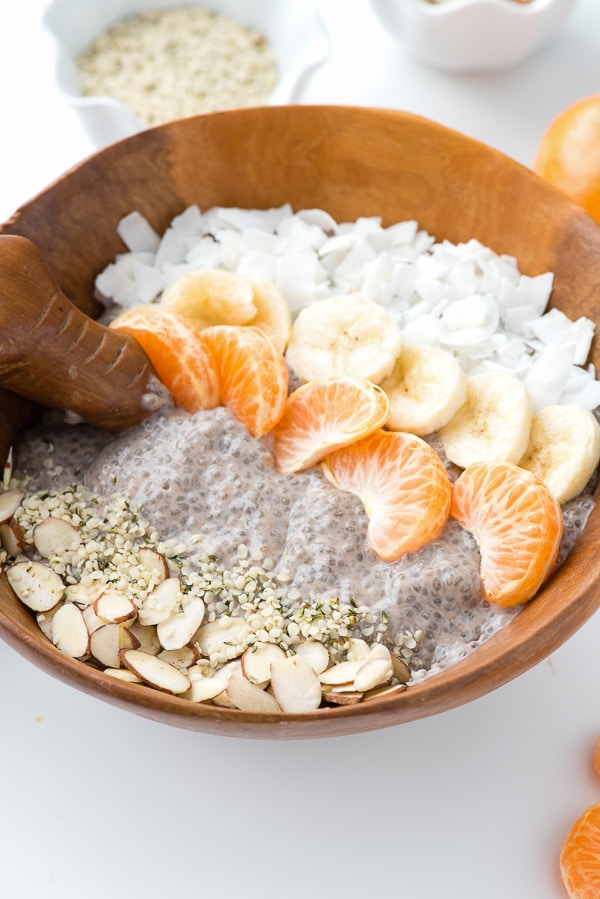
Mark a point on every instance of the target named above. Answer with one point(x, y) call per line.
point(474, 803)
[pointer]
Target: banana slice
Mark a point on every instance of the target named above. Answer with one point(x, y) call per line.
point(211, 297)
point(344, 336)
point(564, 449)
point(217, 297)
point(426, 389)
point(493, 424)
point(273, 315)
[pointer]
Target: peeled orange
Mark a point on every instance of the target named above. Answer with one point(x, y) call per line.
point(176, 350)
point(580, 856)
point(324, 415)
point(403, 485)
point(517, 524)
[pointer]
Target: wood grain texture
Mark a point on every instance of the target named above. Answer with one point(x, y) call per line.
point(351, 162)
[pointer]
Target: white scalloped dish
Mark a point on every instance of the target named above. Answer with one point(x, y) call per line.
point(294, 29)
point(473, 35)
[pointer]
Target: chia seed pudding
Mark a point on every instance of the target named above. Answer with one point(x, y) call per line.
point(272, 558)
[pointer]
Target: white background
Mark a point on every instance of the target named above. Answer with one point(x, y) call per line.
point(473, 804)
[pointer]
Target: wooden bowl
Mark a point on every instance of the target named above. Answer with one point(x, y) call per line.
point(352, 162)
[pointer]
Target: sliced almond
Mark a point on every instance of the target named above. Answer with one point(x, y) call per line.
point(69, 633)
point(379, 651)
point(342, 673)
point(295, 685)
point(380, 692)
point(153, 562)
point(400, 669)
point(161, 601)
point(357, 649)
point(257, 659)
point(7, 472)
point(10, 500)
point(146, 636)
point(206, 684)
point(108, 641)
point(249, 697)
point(226, 636)
point(12, 537)
point(114, 607)
point(183, 622)
point(348, 698)
point(44, 619)
point(83, 594)
point(36, 585)
point(154, 671)
point(223, 699)
point(315, 653)
point(123, 674)
point(92, 621)
point(180, 658)
point(373, 673)
point(54, 536)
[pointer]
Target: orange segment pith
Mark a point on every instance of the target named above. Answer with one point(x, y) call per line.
point(403, 485)
point(176, 350)
point(517, 524)
point(580, 857)
point(252, 374)
point(324, 415)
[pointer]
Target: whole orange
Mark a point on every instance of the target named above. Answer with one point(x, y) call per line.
point(569, 153)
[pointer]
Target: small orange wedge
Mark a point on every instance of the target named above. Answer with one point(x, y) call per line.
point(324, 415)
point(176, 350)
point(251, 373)
point(580, 857)
point(402, 484)
point(518, 526)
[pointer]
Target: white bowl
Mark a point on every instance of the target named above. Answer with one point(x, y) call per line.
point(472, 35)
point(294, 29)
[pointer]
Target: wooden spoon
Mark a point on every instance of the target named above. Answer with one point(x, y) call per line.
point(54, 354)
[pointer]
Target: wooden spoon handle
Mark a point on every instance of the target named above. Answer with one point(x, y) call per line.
point(54, 354)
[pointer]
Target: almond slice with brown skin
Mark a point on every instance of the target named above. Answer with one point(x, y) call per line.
point(54, 536)
point(342, 673)
point(400, 669)
point(357, 649)
point(249, 697)
point(373, 673)
point(350, 698)
point(180, 658)
point(108, 641)
point(10, 500)
point(295, 685)
point(12, 537)
point(256, 661)
point(146, 636)
point(154, 671)
point(83, 594)
point(183, 622)
point(123, 674)
point(380, 692)
point(153, 562)
point(69, 633)
point(207, 683)
point(37, 585)
point(315, 654)
point(44, 619)
point(114, 607)
point(93, 623)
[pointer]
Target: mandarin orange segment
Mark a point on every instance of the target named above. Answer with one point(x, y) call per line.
point(252, 374)
point(324, 415)
point(402, 484)
point(580, 857)
point(518, 526)
point(178, 354)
